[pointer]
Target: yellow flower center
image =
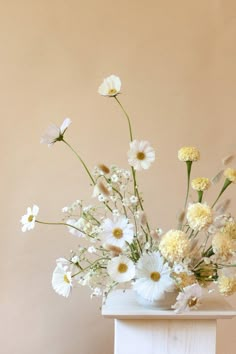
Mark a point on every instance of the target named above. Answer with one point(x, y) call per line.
point(155, 276)
point(30, 218)
point(122, 268)
point(112, 91)
point(140, 155)
point(192, 301)
point(66, 280)
point(117, 233)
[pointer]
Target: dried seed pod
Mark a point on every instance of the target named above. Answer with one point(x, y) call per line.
point(104, 168)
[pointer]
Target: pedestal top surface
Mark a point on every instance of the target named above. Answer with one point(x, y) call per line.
point(123, 305)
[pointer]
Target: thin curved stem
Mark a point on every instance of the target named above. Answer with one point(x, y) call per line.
point(61, 223)
point(226, 184)
point(128, 119)
point(189, 166)
point(83, 163)
point(136, 191)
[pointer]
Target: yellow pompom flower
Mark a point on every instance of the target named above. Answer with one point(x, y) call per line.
point(199, 216)
point(222, 245)
point(230, 174)
point(230, 228)
point(188, 153)
point(227, 285)
point(174, 245)
point(200, 184)
point(184, 279)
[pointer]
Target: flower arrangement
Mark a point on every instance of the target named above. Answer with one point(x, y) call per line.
point(122, 248)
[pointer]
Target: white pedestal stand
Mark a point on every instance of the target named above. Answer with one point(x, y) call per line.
point(142, 330)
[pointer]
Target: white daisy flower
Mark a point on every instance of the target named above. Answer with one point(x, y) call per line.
point(180, 268)
point(62, 281)
point(188, 299)
point(79, 224)
point(87, 208)
point(75, 259)
point(54, 133)
point(91, 249)
point(110, 87)
point(101, 198)
point(117, 231)
point(115, 212)
point(65, 209)
point(114, 178)
point(28, 220)
point(133, 199)
point(121, 269)
point(153, 277)
point(140, 155)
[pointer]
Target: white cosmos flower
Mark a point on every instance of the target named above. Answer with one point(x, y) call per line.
point(140, 155)
point(28, 220)
point(63, 262)
point(188, 299)
point(121, 269)
point(117, 231)
point(110, 87)
point(55, 133)
point(79, 224)
point(62, 281)
point(153, 277)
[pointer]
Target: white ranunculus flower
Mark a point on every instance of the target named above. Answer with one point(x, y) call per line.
point(28, 220)
point(121, 269)
point(62, 281)
point(110, 87)
point(55, 133)
point(140, 155)
point(117, 231)
point(153, 277)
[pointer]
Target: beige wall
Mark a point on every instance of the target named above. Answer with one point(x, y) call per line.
point(177, 61)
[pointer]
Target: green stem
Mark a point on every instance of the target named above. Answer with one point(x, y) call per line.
point(128, 119)
point(226, 184)
point(86, 168)
point(83, 163)
point(189, 166)
point(200, 195)
point(227, 265)
point(90, 265)
point(61, 223)
point(136, 192)
point(120, 195)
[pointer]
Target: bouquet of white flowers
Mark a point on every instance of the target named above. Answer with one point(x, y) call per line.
point(122, 248)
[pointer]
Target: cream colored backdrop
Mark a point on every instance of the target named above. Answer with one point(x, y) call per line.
point(177, 61)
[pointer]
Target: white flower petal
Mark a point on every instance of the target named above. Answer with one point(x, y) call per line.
point(65, 125)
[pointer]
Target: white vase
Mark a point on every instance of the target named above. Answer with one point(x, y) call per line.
point(164, 303)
